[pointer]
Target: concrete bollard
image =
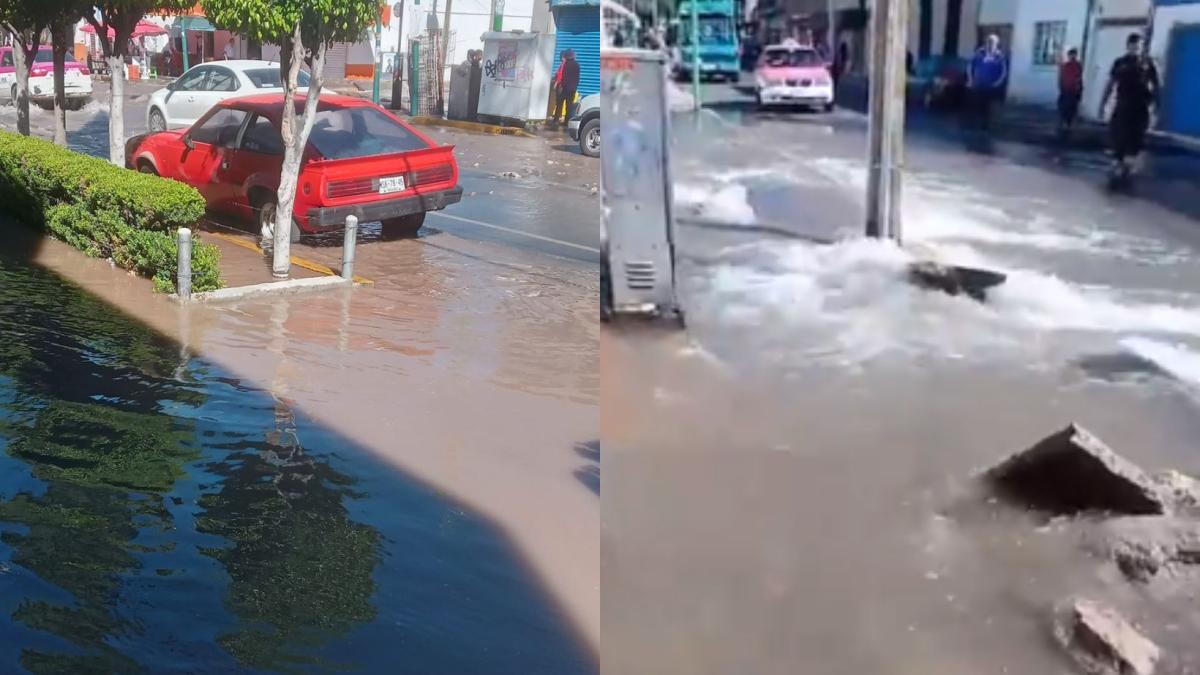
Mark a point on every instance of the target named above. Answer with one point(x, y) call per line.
point(348, 247)
point(183, 285)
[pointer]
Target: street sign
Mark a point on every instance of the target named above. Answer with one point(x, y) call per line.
point(397, 9)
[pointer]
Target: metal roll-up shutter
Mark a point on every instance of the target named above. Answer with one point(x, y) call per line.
point(578, 29)
point(335, 61)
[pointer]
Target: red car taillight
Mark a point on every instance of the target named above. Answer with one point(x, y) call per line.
point(350, 188)
point(433, 174)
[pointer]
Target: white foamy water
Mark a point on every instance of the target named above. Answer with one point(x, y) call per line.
point(1176, 359)
point(725, 203)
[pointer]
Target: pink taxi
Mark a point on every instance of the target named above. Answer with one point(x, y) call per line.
point(77, 80)
point(791, 74)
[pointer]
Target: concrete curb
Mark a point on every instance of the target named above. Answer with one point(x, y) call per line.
point(478, 127)
point(274, 288)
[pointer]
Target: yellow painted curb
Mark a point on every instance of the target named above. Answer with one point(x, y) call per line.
point(298, 262)
point(494, 129)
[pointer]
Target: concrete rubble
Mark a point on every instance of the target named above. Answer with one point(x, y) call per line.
point(1102, 641)
point(1147, 547)
point(1072, 471)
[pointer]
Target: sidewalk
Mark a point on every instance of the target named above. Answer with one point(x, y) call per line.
point(1014, 121)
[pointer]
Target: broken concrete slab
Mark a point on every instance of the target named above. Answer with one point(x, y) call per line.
point(954, 279)
point(1102, 641)
point(1144, 547)
point(1072, 471)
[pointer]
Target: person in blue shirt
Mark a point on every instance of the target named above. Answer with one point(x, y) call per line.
point(986, 77)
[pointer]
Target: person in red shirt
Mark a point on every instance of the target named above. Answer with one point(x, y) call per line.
point(1070, 90)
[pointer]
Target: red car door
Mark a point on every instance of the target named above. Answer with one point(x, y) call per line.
point(212, 140)
point(256, 162)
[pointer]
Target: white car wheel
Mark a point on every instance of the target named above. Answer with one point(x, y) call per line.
point(157, 122)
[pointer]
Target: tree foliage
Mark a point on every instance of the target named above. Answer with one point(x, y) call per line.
point(274, 21)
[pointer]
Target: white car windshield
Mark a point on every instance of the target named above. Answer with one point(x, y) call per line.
point(791, 58)
point(360, 132)
point(269, 78)
point(47, 56)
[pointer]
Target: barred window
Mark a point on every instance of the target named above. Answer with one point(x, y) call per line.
point(1048, 40)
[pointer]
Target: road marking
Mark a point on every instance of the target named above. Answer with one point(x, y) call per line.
point(552, 240)
point(298, 262)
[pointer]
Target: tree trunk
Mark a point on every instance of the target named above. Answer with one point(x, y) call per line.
point(116, 110)
point(59, 50)
point(295, 140)
point(23, 63)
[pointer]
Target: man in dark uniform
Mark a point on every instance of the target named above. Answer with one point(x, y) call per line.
point(1135, 80)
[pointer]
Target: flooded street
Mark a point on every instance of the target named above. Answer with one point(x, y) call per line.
point(400, 477)
point(789, 480)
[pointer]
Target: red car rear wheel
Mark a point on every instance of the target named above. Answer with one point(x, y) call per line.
point(404, 226)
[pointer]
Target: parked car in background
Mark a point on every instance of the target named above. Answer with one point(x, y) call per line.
point(185, 100)
point(360, 160)
point(790, 74)
point(585, 125)
point(77, 79)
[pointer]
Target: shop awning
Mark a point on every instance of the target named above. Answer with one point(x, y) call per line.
point(143, 29)
point(198, 23)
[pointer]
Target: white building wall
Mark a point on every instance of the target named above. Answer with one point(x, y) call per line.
point(997, 11)
point(1038, 84)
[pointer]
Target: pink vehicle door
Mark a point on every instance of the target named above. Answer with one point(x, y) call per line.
point(8, 72)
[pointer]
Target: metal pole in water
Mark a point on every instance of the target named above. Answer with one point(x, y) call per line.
point(183, 285)
point(885, 137)
point(348, 247)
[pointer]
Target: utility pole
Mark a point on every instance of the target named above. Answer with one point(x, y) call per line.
point(695, 52)
point(442, 71)
point(885, 137)
point(829, 31)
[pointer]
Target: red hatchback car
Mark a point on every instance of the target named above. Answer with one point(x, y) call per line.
point(360, 160)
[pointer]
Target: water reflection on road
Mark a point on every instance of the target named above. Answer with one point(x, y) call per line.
point(165, 515)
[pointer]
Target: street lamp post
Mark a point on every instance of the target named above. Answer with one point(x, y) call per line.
point(695, 52)
point(378, 55)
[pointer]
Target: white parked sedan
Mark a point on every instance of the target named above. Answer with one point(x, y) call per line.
point(181, 103)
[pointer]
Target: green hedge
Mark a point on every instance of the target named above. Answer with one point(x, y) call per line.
point(104, 210)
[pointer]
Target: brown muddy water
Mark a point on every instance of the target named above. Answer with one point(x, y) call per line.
point(788, 481)
point(470, 366)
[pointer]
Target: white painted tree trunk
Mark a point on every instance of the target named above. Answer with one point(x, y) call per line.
point(116, 110)
point(294, 142)
point(22, 63)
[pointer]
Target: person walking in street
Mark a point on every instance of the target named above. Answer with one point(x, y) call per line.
point(986, 78)
point(1070, 90)
point(1135, 80)
point(229, 50)
point(566, 83)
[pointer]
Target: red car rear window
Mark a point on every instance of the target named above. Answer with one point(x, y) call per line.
point(344, 133)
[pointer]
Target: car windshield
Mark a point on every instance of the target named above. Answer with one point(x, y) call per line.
point(791, 58)
point(268, 78)
point(47, 56)
point(341, 133)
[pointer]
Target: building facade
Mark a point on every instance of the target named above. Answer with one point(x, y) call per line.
point(1039, 33)
point(1175, 46)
